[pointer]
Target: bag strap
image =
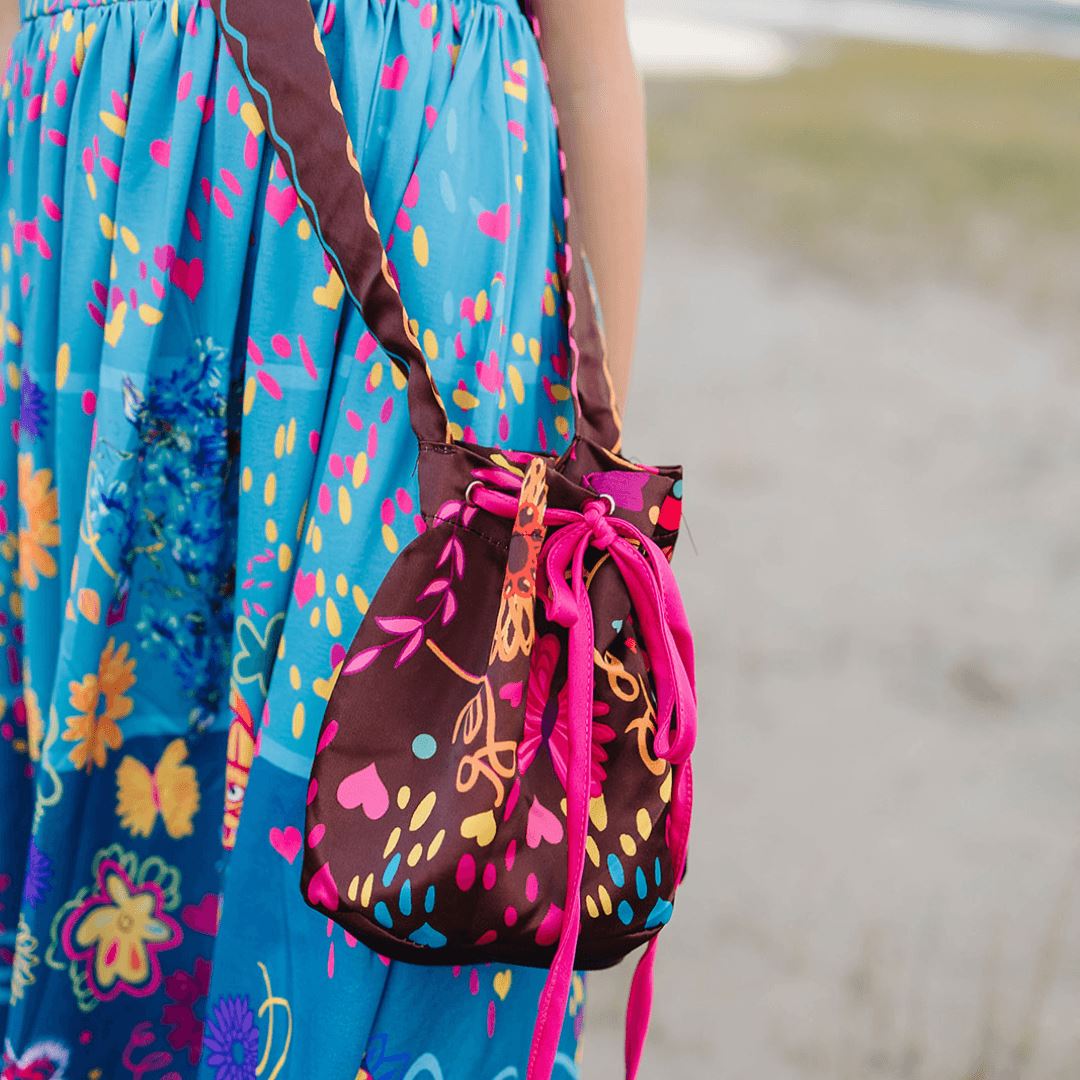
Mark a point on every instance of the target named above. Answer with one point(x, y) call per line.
point(280, 54)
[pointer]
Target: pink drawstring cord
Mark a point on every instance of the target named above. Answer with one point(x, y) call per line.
point(665, 631)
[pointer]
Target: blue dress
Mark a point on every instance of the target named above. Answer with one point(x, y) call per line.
point(206, 468)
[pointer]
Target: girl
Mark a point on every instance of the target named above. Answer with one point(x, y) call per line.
point(208, 468)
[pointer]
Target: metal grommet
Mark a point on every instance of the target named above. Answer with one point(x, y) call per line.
point(469, 491)
point(610, 500)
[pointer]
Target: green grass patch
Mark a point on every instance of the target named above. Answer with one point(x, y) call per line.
point(873, 155)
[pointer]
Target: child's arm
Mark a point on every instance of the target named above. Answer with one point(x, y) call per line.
point(9, 23)
point(601, 114)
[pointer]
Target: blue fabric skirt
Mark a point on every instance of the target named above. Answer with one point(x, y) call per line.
point(206, 468)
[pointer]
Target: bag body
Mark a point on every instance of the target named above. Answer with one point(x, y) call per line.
point(503, 770)
point(438, 807)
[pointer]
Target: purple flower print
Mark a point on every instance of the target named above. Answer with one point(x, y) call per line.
point(31, 407)
point(231, 1039)
point(39, 870)
point(185, 990)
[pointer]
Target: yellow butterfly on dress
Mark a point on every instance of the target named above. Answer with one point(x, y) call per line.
point(171, 790)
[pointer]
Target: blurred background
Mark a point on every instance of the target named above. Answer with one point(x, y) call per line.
point(860, 335)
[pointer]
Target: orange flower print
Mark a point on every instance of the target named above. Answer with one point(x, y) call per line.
point(100, 700)
point(38, 528)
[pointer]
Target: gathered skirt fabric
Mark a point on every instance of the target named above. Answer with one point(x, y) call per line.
point(206, 469)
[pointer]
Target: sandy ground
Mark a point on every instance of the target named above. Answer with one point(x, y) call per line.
point(882, 494)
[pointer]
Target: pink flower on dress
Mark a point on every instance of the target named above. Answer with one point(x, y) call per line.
point(186, 991)
point(547, 720)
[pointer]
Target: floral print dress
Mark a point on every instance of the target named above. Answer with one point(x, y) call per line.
point(206, 468)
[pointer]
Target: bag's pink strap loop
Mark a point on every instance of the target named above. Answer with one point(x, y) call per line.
point(638, 1009)
point(662, 621)
point(577, 617)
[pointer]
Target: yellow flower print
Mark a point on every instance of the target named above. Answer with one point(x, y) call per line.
point(100, 702)
point(38, 528)
point(35, 725)
point(26, 959)
point(117, 932)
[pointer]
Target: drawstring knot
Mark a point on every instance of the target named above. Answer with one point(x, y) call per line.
point(595, 514)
